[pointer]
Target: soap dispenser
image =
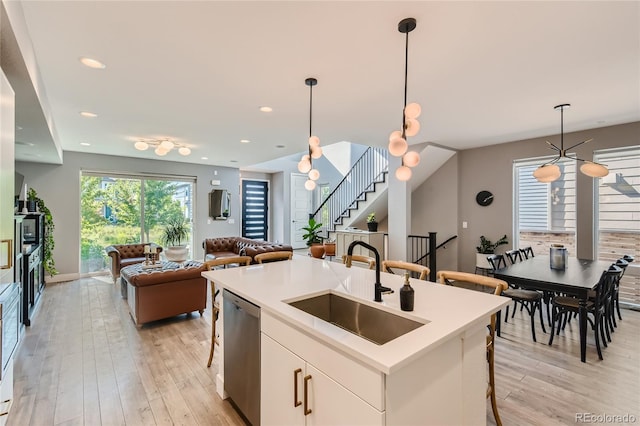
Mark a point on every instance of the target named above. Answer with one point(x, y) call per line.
point(406, 294)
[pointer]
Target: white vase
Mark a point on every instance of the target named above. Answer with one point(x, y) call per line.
point(482, 262)
point(177, 253)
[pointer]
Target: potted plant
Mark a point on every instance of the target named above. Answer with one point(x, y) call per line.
point(487, 247)
point(372, 224)
point(32, 200)
point(174, 233)
point(313, 238)
point(49, 243)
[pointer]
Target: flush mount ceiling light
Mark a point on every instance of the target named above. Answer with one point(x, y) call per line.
point(162, 146)
point(88, 114)
point(92, 63)
point(314, 151)
point(410, 125)
point(550, 171)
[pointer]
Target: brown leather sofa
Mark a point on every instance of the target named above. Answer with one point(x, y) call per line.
point(238, 246)
point(174, 289)
point(127, 254)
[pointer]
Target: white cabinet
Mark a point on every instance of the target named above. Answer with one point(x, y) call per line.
point(375, 239)
point(294, 392)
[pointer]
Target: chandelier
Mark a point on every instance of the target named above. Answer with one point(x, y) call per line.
point(410, 125)
point(314, 151)
point(550, 171)
point(162, 146)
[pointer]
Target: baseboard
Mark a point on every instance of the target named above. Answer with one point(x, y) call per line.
point(59, 278)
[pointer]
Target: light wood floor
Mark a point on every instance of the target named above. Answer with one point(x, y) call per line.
point(83, 362)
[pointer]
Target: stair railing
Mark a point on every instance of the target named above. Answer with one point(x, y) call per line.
point(369, 169)
point(422, 250)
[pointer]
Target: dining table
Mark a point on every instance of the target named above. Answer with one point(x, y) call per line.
point(577, 278)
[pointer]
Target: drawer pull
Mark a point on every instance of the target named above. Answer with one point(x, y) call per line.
point(296, 403)
point(307, 410)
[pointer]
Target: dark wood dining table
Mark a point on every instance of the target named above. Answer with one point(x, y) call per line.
point(579, 276)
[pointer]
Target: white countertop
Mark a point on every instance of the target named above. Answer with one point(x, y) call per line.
point(449, 311)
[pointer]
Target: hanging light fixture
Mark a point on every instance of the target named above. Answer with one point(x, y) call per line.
point(410, 125)
point(550, 171)
point(314, 151)
point(162, 146)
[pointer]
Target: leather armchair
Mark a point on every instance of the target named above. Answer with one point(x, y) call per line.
point(127, 254)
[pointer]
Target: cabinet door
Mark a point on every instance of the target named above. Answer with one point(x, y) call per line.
point(333, 404)
point(277, 387)
point(7, 123)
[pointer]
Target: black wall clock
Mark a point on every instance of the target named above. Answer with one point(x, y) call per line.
point(484, 198)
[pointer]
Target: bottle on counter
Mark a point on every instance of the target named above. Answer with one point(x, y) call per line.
point(406, 294)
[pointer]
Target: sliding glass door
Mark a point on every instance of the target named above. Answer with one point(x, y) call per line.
point(124, 209)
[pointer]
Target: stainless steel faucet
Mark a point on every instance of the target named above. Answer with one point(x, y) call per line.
point(378, 287)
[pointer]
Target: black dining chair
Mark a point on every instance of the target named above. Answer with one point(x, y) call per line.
point(598, 307)
point(514, 255)
point(615, 298)
point(527, 252)
point(528, 299)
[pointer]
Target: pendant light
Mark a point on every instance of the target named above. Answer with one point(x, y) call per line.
point(550, 171)
point(410, 125)
point(314, 151)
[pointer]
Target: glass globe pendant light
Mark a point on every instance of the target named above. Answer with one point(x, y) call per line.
point(314, 151)
point(398, 145)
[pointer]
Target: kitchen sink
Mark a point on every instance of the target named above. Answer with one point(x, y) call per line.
point(373, 324)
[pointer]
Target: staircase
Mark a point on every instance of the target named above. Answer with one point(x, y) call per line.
point(364, 187)
point(367, 176)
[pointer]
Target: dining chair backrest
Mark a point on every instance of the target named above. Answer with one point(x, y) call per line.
point(628, 258)
point(514, 255)
point(390, 265)
point(451, 277)
point(604, 289)
point(369, 261)
point(527, 252)
point(622, 264)
point(496, 261)
point(273, 256)
point(224, 261)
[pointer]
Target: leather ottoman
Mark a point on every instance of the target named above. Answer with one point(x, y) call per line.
point(164, 292)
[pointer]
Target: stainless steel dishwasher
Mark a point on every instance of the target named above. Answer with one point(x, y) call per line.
point(242, 354)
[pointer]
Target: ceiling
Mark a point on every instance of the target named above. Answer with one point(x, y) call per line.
point(197, 73)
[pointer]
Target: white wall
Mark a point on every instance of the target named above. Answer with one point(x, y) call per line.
point(59, 187)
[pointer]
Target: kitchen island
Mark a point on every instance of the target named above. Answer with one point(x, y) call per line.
point(313, 372)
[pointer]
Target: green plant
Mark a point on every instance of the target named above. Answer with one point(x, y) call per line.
point(176, 231)
point(312, 235)
point(487, 247)
point(371, 217)
point(49, 244)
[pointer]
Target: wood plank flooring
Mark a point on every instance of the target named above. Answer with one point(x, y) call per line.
point(83, 362)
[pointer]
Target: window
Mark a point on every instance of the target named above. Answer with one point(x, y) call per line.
point(618, 215)
point(121, 209)
point(545, 213)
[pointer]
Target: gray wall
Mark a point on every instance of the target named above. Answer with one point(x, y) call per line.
point(491, 168)
point(59, 187)
point(435, 209)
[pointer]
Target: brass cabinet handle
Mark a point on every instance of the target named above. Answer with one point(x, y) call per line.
point(307, 410)
point(296, 403)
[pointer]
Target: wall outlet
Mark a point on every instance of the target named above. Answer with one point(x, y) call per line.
point(465, 225)
point(232, 221)
point(215, 182)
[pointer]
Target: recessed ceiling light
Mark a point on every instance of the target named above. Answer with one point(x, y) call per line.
point(204, 158)
point(244, 141)
point(233, 161)
point(279, 146)
point(88, 114)
point(18, 128)
point(266, 109)
point(92, 63)
point(85, 144)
